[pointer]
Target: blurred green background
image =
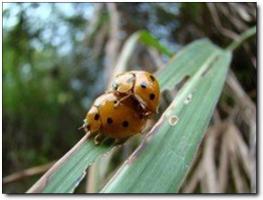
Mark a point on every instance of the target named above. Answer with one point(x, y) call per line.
point(55, 62)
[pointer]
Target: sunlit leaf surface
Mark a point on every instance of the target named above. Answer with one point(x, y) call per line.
point(162, 161)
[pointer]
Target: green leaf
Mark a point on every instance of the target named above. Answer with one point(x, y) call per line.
point(161, 162)
point(67, 173)
point(244, 36)
point(69, 170)
point(149, 40)
point(143, 37)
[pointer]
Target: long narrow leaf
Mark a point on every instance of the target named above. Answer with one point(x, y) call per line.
point(149, 40)
point(65, 175)
point(143, 37)
point(161, 162)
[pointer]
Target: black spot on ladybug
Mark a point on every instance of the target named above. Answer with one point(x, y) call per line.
point(152, 96)
point(97, 116)
point(115, 101)
point(143, 85)
point(109, 120)
point(152, 78)
point(125, 124)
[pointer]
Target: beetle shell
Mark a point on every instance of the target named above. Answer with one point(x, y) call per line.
point(123, 82)
point(142, 85)
point(119, 121)
point(93, 119)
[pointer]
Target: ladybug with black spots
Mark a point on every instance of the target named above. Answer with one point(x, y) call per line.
point(109, 119)
point(140, 84)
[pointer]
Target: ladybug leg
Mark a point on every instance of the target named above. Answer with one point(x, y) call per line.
point(98, 139)
point(122, 99)
point(82, 127)
point(85, 126)
point(145, 113)
point(148, 113)
point(107, 140)
point(157, 110)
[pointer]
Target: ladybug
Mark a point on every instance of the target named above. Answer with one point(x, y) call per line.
point(140, 84)
point(113, 120)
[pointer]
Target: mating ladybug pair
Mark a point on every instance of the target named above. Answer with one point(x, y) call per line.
point(124, 110)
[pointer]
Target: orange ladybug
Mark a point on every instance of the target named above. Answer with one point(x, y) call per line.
point(113, 120)
point(140, 84)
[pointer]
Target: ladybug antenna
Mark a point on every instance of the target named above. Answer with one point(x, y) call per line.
point(84, 125)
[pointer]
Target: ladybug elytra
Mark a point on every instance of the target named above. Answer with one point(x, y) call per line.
point(114, 120)
point(123, 111)
point(140, 84)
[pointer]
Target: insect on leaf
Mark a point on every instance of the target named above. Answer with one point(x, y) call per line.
point(161, 162)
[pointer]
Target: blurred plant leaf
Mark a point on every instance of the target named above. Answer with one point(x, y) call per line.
point(149, 40)
point(64, 177)
point(143, 37)
point(178, 143)
point(161, 162)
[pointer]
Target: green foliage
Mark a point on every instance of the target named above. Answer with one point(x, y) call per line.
point(68, 177)
point(161, 162)
point(149, 40)
point(168, 147)
point(51, 76)
point(142, 37)
point(43, 87)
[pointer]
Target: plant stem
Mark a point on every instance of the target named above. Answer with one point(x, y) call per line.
point(247, 34)
point(27, 172)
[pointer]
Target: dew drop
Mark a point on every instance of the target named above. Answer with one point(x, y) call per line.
point(188, 99)
point(173, 120)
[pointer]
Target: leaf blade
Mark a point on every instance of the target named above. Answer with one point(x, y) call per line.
point(63, 176)
point(70, 172)
point(68, 175)
point(150, 168)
